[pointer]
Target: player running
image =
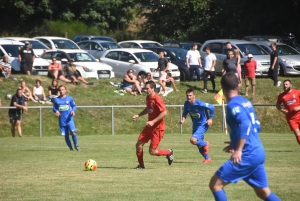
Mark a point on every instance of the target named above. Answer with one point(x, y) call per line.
point(248, 154)
point(198, 111)
point(291, 101)
point(64, 108)
point(155, 126)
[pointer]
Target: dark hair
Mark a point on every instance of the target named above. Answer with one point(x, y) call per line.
point(190, 90)
point(161, 51)
point(273, 44)
point(227, 43)
point(152, 84)
point(53, 58)
point(207, 48)
point(169, 74)
point(38, 81)
point(19, 89)
point(287, 81)
point(129, 71)
point(229, 82)
point(62, 86)
point(54, 80)
point(194, 44)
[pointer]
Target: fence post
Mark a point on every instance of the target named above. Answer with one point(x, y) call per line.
point(40, 121)
point(112, 121)
point(180, 119)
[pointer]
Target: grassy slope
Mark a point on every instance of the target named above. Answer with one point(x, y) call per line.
point(98, 121)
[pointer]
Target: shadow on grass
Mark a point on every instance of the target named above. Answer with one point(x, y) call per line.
point(189, 85)
point(278, 151)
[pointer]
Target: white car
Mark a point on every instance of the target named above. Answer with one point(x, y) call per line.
point(139, 44)
point(56, 43)
point(37, 46)
point(141, 60)
point(11, 48)
point(85, 63)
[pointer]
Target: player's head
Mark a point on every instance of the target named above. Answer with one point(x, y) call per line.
point(161, 53)
point(228, 45)
point(150, 87)
point(62, 90)
point(287, 85)
point(207, 50)
point(190, 95)
point(229, 82)
point(19, 92)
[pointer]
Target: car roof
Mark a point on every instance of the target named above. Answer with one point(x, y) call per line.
point(98, 41)
point(20, 38)
point(131, 50)
point(269, 42)
point(180, 41)
point(167, 48)
point(235, 41)
point(51, 37)
point(68, 50)
point(7, 42)
point(140, 41)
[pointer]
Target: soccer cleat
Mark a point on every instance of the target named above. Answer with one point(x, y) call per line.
point(204, 91)
point(206, 148)
point(139, 167)
point(170, 157)
point(77, 148)
point(207, 160)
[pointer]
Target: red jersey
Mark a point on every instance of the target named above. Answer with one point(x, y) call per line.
point(290, 101)
point(155, 106)
point(250, 68)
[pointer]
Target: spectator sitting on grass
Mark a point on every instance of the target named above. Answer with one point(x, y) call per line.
point(53, 90)
point(26, 92)
point(39, 93)
point(170, 81)
point(130, 83)
point(71, 73)
point(6, 68)
point(55, 71)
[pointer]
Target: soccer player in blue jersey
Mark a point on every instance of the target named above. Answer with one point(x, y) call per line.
point(64, 108)
point(198, 111)
point(248, 154)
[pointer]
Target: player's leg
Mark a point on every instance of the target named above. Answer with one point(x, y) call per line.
point(72, 129)
point(212, 75)
point(297, 134)
point(198, 140)
point(294, 126)
point(65, 132)
point(216, 186)
point(19, 128)
point(142, 139)
point(205, 78)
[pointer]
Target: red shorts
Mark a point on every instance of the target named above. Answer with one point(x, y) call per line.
point(155, 135)
point(294, 124)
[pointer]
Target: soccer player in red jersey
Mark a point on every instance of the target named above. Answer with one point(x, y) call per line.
point(155, 126)
point(291, 101)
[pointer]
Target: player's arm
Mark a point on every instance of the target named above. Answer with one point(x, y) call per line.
point(185, 112)
point(278, 105)
point(55, 108)
point(236, 157)
point(73, 106)
point(134, 117)
point(160, 116)
point(199, 60)
point(23, 107)
point(211, 109)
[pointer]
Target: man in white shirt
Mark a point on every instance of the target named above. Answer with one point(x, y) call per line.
point(193, 61)
point(209, 69)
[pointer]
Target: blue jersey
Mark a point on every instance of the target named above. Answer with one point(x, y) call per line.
point(65, 106)
point(243, 123)
point(198, 112)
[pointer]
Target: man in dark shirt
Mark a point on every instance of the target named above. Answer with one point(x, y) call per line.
point(26, 58)
point(15, 116)
point(229, 47)
point(229, 64)
point(163, 65)
point(273, 70)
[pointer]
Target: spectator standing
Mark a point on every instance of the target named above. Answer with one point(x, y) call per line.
point(209, 69)
point(273, 70)
point(193, 61)
point(130, 83)
point(250, 69)
point(26, 58)
point(163, 66)
point(71, 72)
point(15, 115)
point(26, 92)
point(64, 108)
point(248, 154)
point(6, 68)
point(290, 99)
point(229, 64)
point(238, 66)
point(155, 126)
point(229, 48)
point(53, 90)
point(55, 71)
point(39, 93)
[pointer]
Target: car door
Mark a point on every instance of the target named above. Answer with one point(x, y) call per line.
point(96, 50)
point(112, 59)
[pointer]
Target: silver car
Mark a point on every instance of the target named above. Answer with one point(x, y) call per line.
point(218, 47)
point(289, 58)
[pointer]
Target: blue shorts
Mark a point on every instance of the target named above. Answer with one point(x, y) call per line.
point(70, 127)
point(127, 87)
point(199, 132)
point(253, 174)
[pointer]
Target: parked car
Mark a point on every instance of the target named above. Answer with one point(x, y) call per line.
point(81, 37)
point(178, 57)
point(141, 60)
point(263, 38)
point(97, 47)
point(93, 68)
point(183, 44)
point(56, 43)
point(289, 58)
point(11, 48)
point(291, 41)
point(37, 46)
point(218, 47)
point(139, 44)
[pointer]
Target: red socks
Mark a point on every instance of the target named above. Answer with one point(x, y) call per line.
point(298, 139)
point(163, 152)
point(139, 155)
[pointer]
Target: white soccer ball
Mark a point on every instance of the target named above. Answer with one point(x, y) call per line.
point(8, 96)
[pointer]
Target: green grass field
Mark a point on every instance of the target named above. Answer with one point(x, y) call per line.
point(34, 168)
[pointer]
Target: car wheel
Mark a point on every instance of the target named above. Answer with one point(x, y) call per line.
point(281, 71)
point(184, 75)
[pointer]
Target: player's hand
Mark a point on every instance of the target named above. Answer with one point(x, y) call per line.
point(25, 108)
point(149, 123)
point(134, 117)
point(57, 113)
point(295, 109)
point(228, 149)
point(209, 122)
point(73, 113)
point(236, 157)
point(182, 121)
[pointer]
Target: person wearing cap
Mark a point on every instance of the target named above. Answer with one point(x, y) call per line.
point(250, 68)
point(55, 71)
point(71, 72)
point(26, 58)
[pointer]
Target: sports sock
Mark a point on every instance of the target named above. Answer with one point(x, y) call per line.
point(68, 141)
point(163, 152)
point(74, 138)
point(220, 195)
point(272, 197)
point(201, 150)
point(298, 139)
point(139, 155)
point(201, 143)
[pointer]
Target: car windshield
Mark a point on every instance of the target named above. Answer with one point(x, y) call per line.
point(108, 46)
point(64, 44)
point(286, 50)
point(82, 57)
point(12, 50)
point(147, 56)
point(179, 53)
point(150, 45)
point(102, 38)
point(36, 45)
point(251, 49)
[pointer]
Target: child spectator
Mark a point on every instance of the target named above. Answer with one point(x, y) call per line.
point(26, 92)
point(250, 68)
point(53, 90)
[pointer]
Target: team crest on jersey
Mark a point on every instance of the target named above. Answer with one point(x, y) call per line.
point(235, 110)
point(67, 102)
point(293, 95)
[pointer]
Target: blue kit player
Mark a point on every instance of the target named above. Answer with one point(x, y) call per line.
point(64, 108)
point(198, 111)
point(248, 154)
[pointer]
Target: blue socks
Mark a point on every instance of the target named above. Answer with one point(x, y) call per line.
point(220, 195)
point(68, 141)
point(74, 137)
point(272, 197)
point(201, 143)
point(201, 150)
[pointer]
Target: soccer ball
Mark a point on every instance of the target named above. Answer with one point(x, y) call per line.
point(90, 165)
point(8, 96)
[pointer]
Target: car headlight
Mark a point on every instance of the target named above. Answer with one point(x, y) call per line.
point(288, 61)
point(88, 70)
